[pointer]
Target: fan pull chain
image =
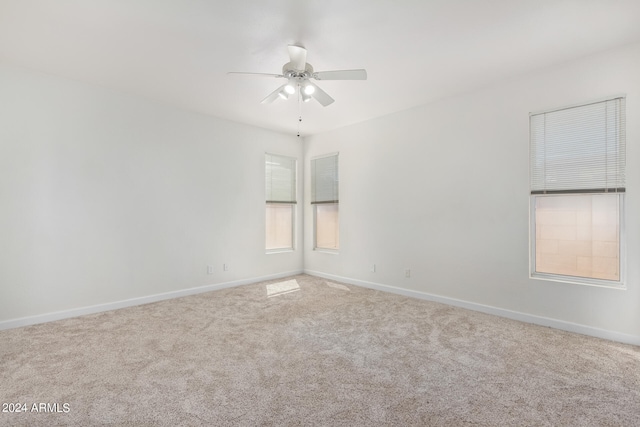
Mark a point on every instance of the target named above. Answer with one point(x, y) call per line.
point(299, 111)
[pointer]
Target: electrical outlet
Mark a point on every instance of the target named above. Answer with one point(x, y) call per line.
point(407, 273)
point(225, 266)
point(373, 268)
point(209, 269)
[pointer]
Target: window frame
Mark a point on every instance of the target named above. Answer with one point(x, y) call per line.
point(293, 230)
point(293, 205)
point(314, 205)
point(579, 280)
point(315, 229)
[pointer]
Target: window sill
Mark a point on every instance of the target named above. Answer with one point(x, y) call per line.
point(279, 251)
point(327, 251)
point(579, 281)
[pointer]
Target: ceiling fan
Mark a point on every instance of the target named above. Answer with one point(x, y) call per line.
point(298, 74)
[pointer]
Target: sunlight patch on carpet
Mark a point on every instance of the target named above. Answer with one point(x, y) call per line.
point(338, 286)
point(281, 288)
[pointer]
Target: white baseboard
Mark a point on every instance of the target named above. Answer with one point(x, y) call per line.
point(523, 317)
point(82, 311)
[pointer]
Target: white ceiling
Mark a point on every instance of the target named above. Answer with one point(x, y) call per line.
point(415, 51)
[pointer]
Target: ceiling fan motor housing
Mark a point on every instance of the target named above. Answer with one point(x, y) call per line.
point(288, 70)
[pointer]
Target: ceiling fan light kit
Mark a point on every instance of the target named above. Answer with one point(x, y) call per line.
point(290, 87)
point(308, 89)
point(298, 74)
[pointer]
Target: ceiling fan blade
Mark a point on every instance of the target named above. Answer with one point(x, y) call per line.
point(272, 96)
point(341, 75)
point(298, 56)
point(321, 96)
point(256, 74)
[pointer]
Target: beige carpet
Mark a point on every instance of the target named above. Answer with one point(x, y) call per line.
point(305, 351)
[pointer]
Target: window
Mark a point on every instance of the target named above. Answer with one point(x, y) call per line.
point(324, 198)
point(577, 193)
point(280, 178)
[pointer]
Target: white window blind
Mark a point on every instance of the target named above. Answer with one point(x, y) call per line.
point(324, 180)
point(280, 177)
point(579, 149)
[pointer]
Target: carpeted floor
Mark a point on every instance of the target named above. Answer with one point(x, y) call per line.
point(305, 351)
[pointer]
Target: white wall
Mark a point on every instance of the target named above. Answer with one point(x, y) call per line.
point(443, 190)
point(106, 197)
